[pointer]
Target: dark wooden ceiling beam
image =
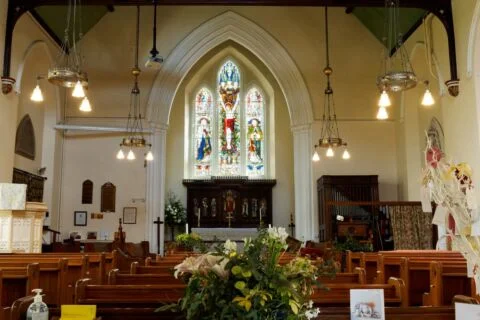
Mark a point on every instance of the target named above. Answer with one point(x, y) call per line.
point(441, 8)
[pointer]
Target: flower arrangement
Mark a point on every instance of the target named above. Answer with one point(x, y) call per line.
point(451, 187)
point(229, 284)
point(190, 242)
point(175, 213)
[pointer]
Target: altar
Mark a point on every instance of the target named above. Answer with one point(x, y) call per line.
point(223, 234)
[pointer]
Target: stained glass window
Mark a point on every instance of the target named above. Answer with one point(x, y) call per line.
point(202, 133)
point(228, 128)
point(229, 147)
point(255, 126)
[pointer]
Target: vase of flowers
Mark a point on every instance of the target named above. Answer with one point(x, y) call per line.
point(229, 284)
point(175, 213)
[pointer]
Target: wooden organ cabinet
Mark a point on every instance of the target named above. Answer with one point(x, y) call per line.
point(337, 196)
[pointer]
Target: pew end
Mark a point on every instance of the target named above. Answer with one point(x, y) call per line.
point(460, 298)
point(362, 275)
point(400, 290)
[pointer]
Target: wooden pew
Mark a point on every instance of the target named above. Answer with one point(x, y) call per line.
point(17, 282)
point(77, 268)
point(358, 276)
point(98, 267)
point(134, 296)
point(446, 281)
point(136, 268)
point(365, 260)
point(117, 278)
point(338, 294)
point(415, 271)
point(19, 308)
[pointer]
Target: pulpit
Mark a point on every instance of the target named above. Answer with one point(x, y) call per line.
point(21, 222)
point(229, 202)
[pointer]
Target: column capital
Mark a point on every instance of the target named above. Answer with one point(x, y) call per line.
point(157, 127)
point(302, 128)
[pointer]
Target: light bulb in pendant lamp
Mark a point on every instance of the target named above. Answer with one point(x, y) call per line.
point(120, 155)
point(78, 91)
point(427, 100)
point(316, 156)
point(346, 155)
point(149, 156)
point(330, 152)
point(37, 95)
point(382, 114)
point(85, 106)
point(384, 100)
point(131, 155)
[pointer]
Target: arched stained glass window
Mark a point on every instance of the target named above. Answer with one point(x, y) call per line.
point(229, 146)
point(228, 127)
point(255, 126)
point(202, 133)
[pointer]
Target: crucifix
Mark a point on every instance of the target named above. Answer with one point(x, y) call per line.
point(158, 223)
point(229, 218)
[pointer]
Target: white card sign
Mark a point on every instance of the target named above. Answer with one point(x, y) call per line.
point(367, 304)
point(465, 311)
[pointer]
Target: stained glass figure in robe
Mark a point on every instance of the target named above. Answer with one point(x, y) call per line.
point(203, 129)
point(255, 133)
point(229, 127)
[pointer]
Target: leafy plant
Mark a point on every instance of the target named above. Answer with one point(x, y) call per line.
point(353, 245)
point(190, 242)
point(229, 284)
point(175, 213)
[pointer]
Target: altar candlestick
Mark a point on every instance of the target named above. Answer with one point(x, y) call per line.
point(198, 221)
point(186, 228)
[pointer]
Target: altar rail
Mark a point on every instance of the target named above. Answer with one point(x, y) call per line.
point(384, 217)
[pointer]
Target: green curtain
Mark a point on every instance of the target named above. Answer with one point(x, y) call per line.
point(411, 227)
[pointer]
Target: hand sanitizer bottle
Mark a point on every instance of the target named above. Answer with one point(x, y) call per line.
point(38, 310)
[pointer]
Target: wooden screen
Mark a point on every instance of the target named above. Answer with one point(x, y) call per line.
point(216, 202)
point(34, 184)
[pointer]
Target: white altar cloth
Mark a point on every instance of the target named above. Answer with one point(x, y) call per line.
point(222, 234)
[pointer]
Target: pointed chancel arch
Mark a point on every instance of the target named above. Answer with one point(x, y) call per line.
point(231, 26)
point(234, 27)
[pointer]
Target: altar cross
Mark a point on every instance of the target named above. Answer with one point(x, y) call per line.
point(158, 222)
point(229, 218)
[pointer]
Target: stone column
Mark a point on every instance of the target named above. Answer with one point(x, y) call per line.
point(155, 188)
point(306, 222)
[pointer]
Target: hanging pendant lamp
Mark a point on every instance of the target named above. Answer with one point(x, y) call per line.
point(330, 135)
point(135, 137)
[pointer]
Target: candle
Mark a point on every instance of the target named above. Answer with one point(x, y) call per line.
point(186, 228)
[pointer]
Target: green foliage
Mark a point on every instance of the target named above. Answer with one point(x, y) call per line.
point(175, 213)
point(353, 245)
point(190, 242)
point(229, 284)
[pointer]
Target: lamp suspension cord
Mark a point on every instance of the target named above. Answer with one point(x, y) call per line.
point(154, 50)
point(137, 35)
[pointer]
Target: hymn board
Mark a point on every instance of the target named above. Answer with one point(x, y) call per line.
point(229, 202)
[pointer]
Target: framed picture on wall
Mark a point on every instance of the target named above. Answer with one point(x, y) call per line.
point(80, 218)
point(129, 215)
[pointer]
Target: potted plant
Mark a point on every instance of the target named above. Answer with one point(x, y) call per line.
point(229, 284)
point(175, 213)
point(189, 242)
